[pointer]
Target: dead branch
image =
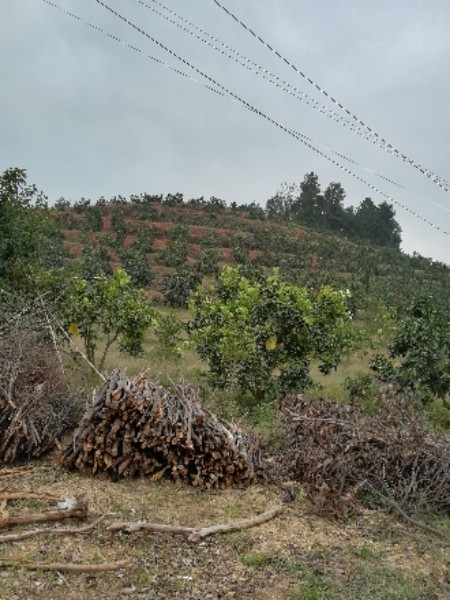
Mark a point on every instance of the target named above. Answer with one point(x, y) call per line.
point(5, 495)
point(79, 511)
point(416, 522)
point(69, 567)
point(16, 471)
point(14, 537)
point(195, 534)
point(336, 449)
point(35, 403)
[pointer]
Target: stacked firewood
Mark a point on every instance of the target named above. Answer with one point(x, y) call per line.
point(136, 427)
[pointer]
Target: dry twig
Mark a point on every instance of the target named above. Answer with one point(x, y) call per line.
point(68, 567)
point(136, 427)
point(14, 537)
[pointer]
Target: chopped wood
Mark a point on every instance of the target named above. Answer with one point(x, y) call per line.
point(14, 537)
point(79, 511)
point(195, 534)
point(136, 427)
point(68, 567)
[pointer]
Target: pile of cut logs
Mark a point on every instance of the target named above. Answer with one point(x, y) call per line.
point(136, 427)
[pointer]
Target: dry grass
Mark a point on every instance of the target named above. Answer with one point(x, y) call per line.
point(297, 555)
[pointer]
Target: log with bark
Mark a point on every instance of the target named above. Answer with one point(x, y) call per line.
point(136, 427)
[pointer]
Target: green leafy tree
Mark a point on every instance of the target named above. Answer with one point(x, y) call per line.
point(208, 261)
point(308, 207)
point(176, 253)
point(215, 205)
point(276, 207)
point(118, 226)
point(95, 262)
point(136, 264)
point(376, 224)
point(108, 308)
point(177, 288)
point(82, 205)
point(145, 238)
point(29, 238)
point(260, 334)
point(281, 204)
point(168, 331)
point(174, 199)
point(420, 353)
point(333, 199)
point(94, 218)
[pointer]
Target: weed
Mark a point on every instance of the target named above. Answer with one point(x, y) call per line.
point(313, 587)
point(281, 563)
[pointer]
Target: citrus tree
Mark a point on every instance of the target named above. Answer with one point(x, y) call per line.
point(261, 334)
point(419, 359)
point(108, 308)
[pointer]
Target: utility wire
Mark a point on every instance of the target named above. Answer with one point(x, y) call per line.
point(283, 85)
point(440, 181)
point(294, 133)
point(134, 48)
point(227, 96)
point(251, 108)
point(250, 65)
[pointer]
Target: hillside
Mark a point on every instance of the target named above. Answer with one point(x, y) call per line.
point(170, 235)
point(381, 548)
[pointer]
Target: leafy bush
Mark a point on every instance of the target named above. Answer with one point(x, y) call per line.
point(261, 334)
point(178, 288)
point(135, 263)
point(420, 353)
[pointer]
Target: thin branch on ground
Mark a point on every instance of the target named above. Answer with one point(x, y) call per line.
point(195, 534)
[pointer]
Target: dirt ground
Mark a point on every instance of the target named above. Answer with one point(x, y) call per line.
point(292, 556)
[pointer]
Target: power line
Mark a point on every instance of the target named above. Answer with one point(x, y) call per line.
point(227, 96)
point(131, 47)
point(248, 64)
point(253, 109)
point(440, 181)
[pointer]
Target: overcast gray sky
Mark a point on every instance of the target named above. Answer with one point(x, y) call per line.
point(87, 116)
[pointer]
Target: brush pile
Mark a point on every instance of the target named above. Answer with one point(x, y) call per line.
point(338, 450)
point(136, 427)
point(35, 405)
